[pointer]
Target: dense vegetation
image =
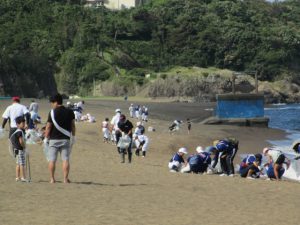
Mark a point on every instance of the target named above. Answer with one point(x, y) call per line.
point(45, 43)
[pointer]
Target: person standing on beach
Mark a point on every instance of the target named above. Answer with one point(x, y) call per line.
point(131, 110)
point(125, 127)
point(114, 129)
point(19, 144)
point(60, 136)
point(189, 125)
point(12, 112)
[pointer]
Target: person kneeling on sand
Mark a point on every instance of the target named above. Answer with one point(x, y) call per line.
point(177, 160)
point(197, 163)
point(275, 163)
point(250, 166)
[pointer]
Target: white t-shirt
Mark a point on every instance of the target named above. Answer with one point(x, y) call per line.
point(115, 120)
point(13, 111)
point(274, 154)
point(104, 124)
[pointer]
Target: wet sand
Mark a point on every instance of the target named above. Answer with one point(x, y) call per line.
point(104, 191)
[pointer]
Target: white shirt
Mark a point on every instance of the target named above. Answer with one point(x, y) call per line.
point(13, 111)
point(34, 107)
point(115, 120)
point(104, 124)
point(80, 105)
point(274, 154)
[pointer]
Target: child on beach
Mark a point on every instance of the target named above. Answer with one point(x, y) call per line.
point(189, 125)
point(105, 130)
point(18, 143)
point(177, 160)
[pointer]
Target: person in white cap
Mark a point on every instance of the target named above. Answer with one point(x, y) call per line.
point(197, 163)
point(114, 129)
point(177, 160)
point(141, 140)
point(276, 159)
point(131, 110)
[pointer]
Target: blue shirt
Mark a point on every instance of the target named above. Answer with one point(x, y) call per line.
point(249, 160)
point(177, 158)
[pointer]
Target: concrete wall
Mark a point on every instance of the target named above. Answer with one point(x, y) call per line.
point(119, 4)
point(240, 106)
point(113, 4)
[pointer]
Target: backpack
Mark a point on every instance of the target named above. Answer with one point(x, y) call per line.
point(233, 142)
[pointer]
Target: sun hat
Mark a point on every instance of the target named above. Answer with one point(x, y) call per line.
point(118, 110)
point(199, 149)
point(265, 150)
point(183, 150)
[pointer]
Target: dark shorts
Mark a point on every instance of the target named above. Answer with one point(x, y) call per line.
point(280, 159)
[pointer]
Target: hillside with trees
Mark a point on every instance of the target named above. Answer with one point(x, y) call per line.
point(49, 45)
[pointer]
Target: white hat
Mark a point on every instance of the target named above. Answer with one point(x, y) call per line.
point(118, 110)
point(199, 149)
point(183, 150)
point(68, 103)
point(138, 123)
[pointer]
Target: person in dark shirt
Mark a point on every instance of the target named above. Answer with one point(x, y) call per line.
point(18, 144)
point(60, 135)
point(125, 127)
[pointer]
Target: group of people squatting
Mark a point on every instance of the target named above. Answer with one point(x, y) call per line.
point(218, 159)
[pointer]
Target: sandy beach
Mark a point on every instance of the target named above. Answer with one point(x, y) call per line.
point(104, 191)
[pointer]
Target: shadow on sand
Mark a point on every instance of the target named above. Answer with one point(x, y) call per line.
point(95, 183)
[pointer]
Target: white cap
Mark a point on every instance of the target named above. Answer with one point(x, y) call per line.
point(138, 123)
point(199, 149)
point(68, 103)
point(118, 110)
point(183, 150)
point(88, 115)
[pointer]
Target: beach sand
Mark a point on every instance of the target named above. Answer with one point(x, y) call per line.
point(104, 191)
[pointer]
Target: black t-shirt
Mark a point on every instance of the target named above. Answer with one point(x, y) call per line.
point(63, 117)
point(15, 140)
point(126, 127)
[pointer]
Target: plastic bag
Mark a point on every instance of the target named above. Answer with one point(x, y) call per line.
point(46, 151)
point(124, 142)
point(32, 137)
point(2, 133)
